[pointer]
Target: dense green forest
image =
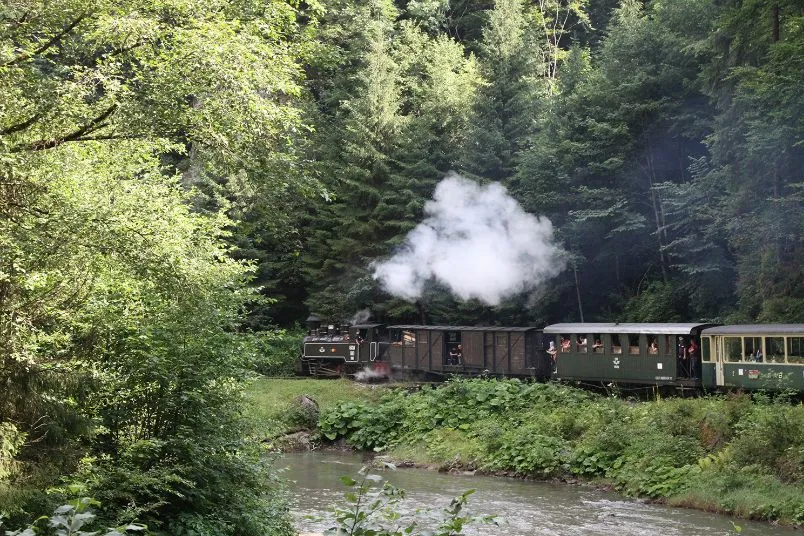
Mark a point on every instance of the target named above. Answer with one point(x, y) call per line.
point(179, 178)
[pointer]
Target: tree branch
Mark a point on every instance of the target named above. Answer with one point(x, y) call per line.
point(77, 135)
point(20, 126)
point(55, 39)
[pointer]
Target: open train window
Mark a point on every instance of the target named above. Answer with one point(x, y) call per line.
point(774, 349)
point(616, 345)
point(403, 337)
point(653, 345)
point(753, 349)
point(565, 343)
point(733, 348)
point(582, 343)
point(633, 344)
point(795, 350)
point(597, 343)
point(408, 338)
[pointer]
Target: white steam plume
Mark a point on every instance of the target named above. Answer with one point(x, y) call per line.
point(477, 241)
point(360, 317)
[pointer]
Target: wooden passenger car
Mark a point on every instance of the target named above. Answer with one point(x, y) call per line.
point(769, 356)
point(624, 353)
point(497, 351)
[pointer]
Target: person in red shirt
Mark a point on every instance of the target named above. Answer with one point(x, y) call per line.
point(692, 355)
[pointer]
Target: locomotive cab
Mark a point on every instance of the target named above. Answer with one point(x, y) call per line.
point(338, 350)
point(370, 339)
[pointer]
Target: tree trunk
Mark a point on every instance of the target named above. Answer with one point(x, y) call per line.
point(422, 312)
point(578, 290)
point(775, 23)
point(657, 213)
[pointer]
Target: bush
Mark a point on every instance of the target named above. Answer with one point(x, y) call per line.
point(272, 353)
point(771, 435)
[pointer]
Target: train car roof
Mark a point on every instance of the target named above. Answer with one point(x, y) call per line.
point(755, 329)
point(365, 326)
point(461, 328)
point(624, 327)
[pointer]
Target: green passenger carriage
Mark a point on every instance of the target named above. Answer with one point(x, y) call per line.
point(751, 356)
point(652, 354)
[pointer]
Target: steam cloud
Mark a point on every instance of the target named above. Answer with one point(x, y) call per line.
point(477, 241)
point(360, 317)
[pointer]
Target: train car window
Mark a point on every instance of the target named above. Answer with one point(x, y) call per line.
point(616, 346)
point(597, 343)
point(633, 344)
point(653, 345)
point(408, 338)
point(396, 337)
point(706, 348)
point(795, 350)
point(501, 340)
point(453, 336)
point(733, 348)
point(753, 349)
point(565, 343)
point(669, 345)
point(583, 342)
point(774, 349)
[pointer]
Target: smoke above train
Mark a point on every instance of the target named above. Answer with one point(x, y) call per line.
point(477, 241)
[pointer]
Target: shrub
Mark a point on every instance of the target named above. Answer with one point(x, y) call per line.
point(272, 353)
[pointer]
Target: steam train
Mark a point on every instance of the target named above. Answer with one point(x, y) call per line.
point(676, 355)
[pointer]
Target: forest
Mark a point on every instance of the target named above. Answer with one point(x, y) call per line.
point(180, 180)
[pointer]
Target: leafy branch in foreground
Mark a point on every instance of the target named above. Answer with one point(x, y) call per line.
point(68, 520)
point(372, 509)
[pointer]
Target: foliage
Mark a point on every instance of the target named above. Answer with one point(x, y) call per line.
point(273, 353)
point(124, 129)
point(10, 442)
point(371, 505)
point(673, 450)
point(69, 519)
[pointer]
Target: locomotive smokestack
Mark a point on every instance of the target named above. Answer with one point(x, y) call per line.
point(313, 322)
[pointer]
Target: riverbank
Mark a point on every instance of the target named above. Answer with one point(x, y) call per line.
point(518, 506)
point(733, 454)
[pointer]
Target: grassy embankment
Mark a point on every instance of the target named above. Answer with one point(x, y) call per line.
point(274, 414)
point(730, 454)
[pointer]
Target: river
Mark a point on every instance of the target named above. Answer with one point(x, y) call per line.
point(524, 507)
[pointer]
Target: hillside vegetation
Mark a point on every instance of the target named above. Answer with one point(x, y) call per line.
point(733, 453)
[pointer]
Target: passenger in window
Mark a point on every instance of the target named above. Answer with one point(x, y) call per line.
point(758, 355)
point(692, 355)
point(565, 344)
point(653, 348)
point(459, 355)
point(582, 341)
point(598, 346)
point(452, 359)
point(683, 363)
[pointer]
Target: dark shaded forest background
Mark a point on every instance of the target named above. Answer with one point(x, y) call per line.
point(181, 178)
point(662, 139)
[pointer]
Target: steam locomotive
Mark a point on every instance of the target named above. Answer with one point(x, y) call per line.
point(677, 355)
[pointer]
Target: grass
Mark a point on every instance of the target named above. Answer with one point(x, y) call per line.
point(270, 399)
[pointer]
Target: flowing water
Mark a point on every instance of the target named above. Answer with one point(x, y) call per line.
point(524, 508)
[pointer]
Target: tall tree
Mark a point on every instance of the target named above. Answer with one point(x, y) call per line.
point(118, 302)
